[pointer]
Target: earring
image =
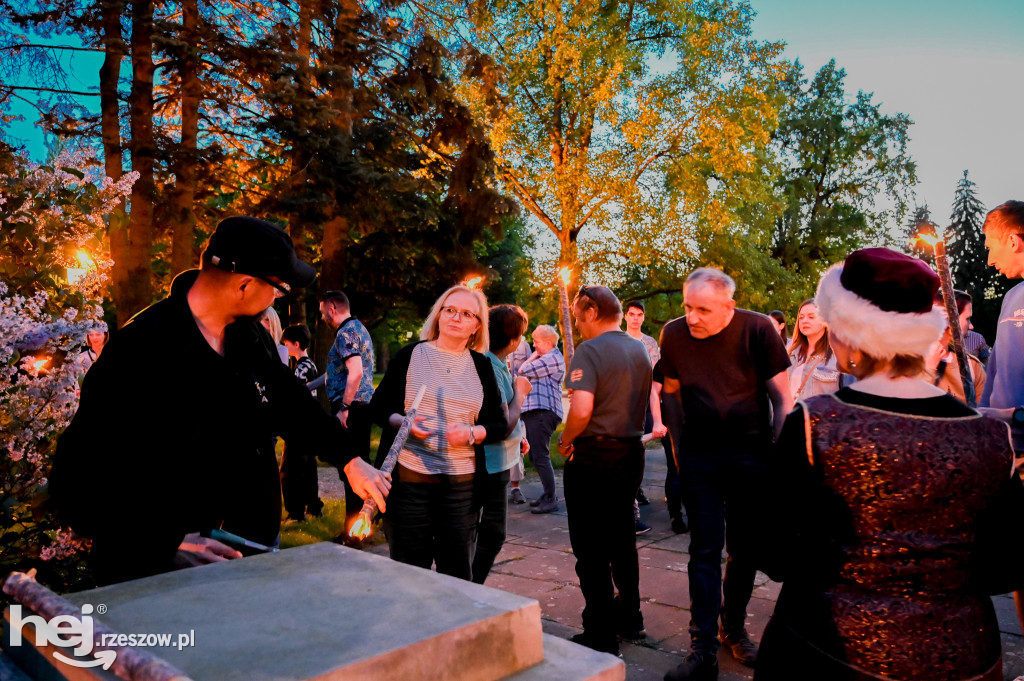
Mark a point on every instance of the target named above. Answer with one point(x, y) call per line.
point(853, 365)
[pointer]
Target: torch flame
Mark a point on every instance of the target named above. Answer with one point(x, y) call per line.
point(85, 260)
point(930, 239)
point(361, 528)
point(473, 282)
point(40, 363)
point(566, 275)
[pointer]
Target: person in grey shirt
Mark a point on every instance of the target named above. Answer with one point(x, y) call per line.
point(610, 380)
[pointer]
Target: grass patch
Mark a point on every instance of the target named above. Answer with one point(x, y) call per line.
point(326, 528)
point(557, 460)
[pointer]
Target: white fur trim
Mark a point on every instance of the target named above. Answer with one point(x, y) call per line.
point(866, 327)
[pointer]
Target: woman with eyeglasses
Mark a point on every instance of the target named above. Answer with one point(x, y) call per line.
point(430, 518)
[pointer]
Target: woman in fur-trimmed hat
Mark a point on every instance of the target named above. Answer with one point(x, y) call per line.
point(901, 512)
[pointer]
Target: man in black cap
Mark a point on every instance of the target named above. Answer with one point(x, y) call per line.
point(176, 426)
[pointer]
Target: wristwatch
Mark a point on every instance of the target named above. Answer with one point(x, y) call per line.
point(342, 407)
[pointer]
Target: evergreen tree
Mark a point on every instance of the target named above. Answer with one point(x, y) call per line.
point(968, 258)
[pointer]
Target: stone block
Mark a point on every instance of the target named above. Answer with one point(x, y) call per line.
point(329, 613)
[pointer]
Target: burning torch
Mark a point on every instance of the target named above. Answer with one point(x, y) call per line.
point(564, 275)
point(363, 525)
point(949, 300)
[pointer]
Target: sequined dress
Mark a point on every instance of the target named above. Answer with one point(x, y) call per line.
point(891, 535)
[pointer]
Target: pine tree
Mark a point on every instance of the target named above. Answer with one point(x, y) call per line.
point(968, 259)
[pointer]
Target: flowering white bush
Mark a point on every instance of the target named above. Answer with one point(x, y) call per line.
point(48, 215)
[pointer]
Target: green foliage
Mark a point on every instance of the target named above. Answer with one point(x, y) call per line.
point(845, 174)
point(617, 121)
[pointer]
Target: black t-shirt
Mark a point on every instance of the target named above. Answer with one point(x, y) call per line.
point(722, 378)
point(617, 370)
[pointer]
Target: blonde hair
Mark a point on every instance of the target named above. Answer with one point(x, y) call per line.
point(480, 340)
point(546, 331)
point(270, 314)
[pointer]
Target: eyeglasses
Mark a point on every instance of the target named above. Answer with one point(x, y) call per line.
point(584, 291)
point(282, 289)
point(465, 315)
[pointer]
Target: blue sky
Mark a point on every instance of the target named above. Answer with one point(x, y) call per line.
point(956, 68)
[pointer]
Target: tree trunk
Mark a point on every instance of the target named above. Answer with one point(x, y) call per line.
point(110, 129)
point(299, 159)
point(139, 292)
point(336, 230)
point(183, 255)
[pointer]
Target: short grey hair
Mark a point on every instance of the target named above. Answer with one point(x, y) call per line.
point(712, 276)
point(546, 331)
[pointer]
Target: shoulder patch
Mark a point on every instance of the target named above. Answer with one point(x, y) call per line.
point(577, 375)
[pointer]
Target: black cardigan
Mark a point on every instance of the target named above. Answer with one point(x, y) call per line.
point(389, 398)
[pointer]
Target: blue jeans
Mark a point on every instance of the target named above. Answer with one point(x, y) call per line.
point(719, 489)
point(540, 425)
point(432, 523)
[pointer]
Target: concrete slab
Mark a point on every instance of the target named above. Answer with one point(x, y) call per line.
point(276, 617)
point(567, 661)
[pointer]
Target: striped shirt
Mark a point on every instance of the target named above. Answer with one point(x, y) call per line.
point(546, 374)
point(454, 396)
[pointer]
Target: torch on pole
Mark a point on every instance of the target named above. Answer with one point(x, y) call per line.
point(564, 276)
point(363, 525)
point(949, 300)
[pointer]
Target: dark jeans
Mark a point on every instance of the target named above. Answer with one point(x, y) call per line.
point(490, 528)
point(540, 424)
point(719, 491)
point(299, 484)
point(600, 486)
point(673, 495)
point(432, 523)
point(357, 439)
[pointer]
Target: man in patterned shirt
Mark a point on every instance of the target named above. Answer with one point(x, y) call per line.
point(349, 382)
point(542, 410)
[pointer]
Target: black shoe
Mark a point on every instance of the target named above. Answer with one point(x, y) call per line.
point(679, 526)
point(632, 634)
point(741, 647)
point(642, 527)
point(696, 667)
point(599, 643)
point(641, 498)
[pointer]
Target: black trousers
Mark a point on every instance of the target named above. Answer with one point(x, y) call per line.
point(357, 439)
point(491, 491)
point(601, 481)
point(432, 523)
point(299, 484)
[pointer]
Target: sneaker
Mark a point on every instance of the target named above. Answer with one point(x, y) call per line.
point(696, 667)
point(641, 498)
point(679, 526)
point(546, 506)
point(741, 647)
point(600, 644)
point(537, 502)
point(642, 527)
point(516, 497)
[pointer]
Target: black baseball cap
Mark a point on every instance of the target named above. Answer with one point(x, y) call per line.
point(258, 248)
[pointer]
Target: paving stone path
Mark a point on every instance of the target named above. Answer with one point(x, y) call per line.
point(537, 562)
